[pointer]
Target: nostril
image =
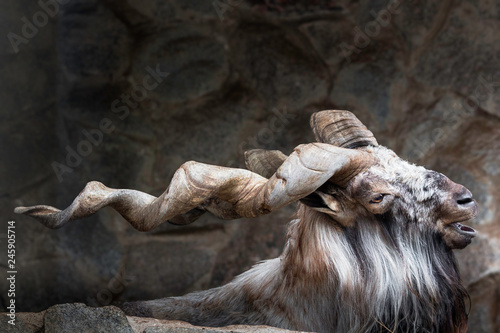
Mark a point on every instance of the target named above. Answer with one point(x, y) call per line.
point(465, 201)
point(463, 196)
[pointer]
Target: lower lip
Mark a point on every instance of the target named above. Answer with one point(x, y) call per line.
point(464, 228)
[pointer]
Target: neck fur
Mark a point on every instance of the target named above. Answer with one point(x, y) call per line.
point(383, 275)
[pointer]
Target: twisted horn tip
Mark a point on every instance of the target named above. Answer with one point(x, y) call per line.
point(36, 210)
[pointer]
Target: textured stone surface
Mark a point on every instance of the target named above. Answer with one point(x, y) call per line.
point(485, 297)
point(92, 41)
point(265, 54)
point(425, 81)
point(24, 323)
point(80, 318)
point(186, 263)
point(150, 325)
point(77, 317)
point(194, 57)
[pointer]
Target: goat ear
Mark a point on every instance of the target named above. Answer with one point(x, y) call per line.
point(322, 202)
point(328, 204)
point(313, 200)
point(333, 206)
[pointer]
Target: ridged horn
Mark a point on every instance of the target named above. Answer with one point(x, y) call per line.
point(342, 129)
point(264, 162)
point(226, 192)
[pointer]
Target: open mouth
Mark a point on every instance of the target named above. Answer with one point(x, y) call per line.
point(464, 229)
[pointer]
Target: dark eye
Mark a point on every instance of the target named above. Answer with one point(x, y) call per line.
point(377, 199)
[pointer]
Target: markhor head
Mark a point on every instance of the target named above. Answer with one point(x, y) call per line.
point(380, 185)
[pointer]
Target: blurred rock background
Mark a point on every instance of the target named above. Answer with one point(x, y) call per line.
point(424, 76)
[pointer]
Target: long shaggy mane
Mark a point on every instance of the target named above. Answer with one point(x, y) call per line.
point(382, 274)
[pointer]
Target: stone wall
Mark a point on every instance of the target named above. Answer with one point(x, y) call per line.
point(424, 76)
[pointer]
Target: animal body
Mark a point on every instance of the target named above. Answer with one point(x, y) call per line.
point(369, 251)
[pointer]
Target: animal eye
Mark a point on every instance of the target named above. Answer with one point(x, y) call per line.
point(377, 199)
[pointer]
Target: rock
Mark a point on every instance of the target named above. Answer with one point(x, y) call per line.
point(25, 322)
point(366, 88)
point(80, 318)
point(59, 275)
point(18, 327)
point(20, 40)
point(92, 41)
point(481, 256)
point(77, 317)
point(292, 11)
point(149, 277)
point(469, 65)
point(416, 20)
point(485, 295)
point(27, 124)
point(159, 11)
point(326, 38)
point(261, 239)
point(194, 8)
point(211, 125)
point(275, 66)
point(194, 58)
point(150, 325)
point(436, 123)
